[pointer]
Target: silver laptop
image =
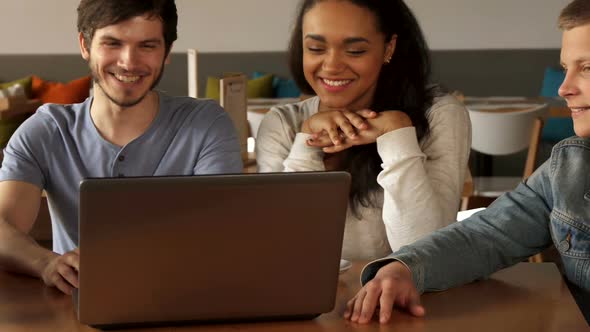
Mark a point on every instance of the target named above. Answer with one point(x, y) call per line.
point(167, 250)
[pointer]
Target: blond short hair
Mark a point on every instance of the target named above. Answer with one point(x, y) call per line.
point(575, 14)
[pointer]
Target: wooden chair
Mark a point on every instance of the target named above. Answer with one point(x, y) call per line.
point(233, 99)
point(500, 133)
point(493, 187)
point(467, 191)
point(505, 129)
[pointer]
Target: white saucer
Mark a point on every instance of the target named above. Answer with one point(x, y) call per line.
point(344, 265)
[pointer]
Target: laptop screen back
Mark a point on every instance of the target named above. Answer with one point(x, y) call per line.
point(174, 249)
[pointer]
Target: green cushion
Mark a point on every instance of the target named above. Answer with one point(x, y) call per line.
point(257, 88)
point(260, 87)
point(212, 89)
point(25, 82)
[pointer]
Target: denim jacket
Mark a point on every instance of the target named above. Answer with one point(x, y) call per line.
point(551, 207)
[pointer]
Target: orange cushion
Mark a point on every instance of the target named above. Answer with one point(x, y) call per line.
point(61, 93)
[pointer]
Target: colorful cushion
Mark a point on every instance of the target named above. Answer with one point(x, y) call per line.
point(551, 82)
point(260, 87)
point(258, 74)
point(212, 88)
point(286, 88)
point(16, 90)
point(75, 91)
point(555, 129)
point(281, 87)
point(25, 82)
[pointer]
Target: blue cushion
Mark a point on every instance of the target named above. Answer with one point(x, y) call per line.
point(258, 74)
point(556, 129)
point(551, 82)
point(286, 88)
point(282, 87)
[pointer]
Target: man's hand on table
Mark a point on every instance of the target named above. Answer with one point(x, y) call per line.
point(392, 286)
point(61, 271)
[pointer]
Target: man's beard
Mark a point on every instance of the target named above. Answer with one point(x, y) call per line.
point(122, 104)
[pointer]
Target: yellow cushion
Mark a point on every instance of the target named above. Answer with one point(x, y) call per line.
point(256, 88)
point(260, 87)
point(25, 82)
point(212, 89)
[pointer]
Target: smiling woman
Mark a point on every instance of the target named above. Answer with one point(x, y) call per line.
point(375, 115)
point(343, 53)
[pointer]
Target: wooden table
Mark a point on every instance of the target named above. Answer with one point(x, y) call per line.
point(526, 297)
point(557, 107)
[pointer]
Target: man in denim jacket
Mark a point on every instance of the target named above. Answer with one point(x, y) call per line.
point(551, 207)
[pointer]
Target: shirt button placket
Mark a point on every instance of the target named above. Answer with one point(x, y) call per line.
point(120, 170)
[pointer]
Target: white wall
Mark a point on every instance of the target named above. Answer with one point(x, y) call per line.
point(42, 26)
point(235, 25)
point(38, 26)
point(489, 24)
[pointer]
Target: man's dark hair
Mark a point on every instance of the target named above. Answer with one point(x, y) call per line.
point(97, 14)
